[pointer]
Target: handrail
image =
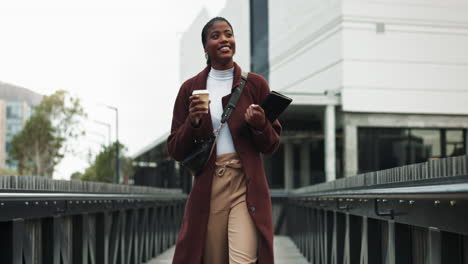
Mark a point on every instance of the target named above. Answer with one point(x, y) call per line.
point(402, 215)
point(100, 196)
point(69, 222)
point(443, 191)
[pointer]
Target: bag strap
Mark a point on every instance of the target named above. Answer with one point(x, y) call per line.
point(234, 99)
point(230, 107)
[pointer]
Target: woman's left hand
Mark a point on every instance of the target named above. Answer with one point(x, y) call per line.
point(255, 117)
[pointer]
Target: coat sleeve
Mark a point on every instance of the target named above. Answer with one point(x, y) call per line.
point(267, 140)
point(181, 140)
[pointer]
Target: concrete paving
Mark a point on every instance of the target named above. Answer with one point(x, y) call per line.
point(285, 253)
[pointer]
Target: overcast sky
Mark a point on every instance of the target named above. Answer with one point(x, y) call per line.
point(115, 52)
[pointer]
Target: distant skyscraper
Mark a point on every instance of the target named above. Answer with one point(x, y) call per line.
point(16, 107)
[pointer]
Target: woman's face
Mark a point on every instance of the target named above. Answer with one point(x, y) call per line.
point(220, 45)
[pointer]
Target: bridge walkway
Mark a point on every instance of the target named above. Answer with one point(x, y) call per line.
point(285, 253)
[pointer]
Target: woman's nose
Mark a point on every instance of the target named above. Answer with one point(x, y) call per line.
point(223, 39)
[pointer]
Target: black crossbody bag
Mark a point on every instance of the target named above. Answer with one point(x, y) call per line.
point(203, 149)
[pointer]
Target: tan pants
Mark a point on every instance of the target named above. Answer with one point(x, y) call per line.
point(231, 235)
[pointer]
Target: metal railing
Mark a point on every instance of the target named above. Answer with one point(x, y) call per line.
point(47, 221)
point(415, 214)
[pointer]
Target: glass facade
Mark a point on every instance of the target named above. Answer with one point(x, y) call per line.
point(383, 148)
point(274, 164)
point(259, 37)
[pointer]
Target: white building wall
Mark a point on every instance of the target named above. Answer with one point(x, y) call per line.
point(192, 55)
point(237, 12)
point(305, 45)
point(417, 64)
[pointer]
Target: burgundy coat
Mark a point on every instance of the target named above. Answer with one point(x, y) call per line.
point(191, 239)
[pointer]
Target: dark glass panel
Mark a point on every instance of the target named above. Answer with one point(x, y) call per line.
point(297, 165)
point(317, 161)
point(455, 142)
point(382, 148)
point(274, 168)
point(424, 144)
point(259, 36)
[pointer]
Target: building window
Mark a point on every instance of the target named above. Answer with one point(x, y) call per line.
point(15, 111)
point(259, 52)
point(424, 144)
point(383, 148)
point(455, 144)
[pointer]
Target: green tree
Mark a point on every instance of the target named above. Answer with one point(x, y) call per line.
point(103, 167)
point(42, 143)
point(76, 176)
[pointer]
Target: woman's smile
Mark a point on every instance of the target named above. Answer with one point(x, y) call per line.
point(225, 48)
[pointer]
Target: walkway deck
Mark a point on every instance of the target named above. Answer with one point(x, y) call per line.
point(285, 253)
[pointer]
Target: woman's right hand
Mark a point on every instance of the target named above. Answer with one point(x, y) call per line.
point(197, 109)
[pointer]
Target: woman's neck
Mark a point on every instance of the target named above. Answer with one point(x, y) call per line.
point(221, 74)
point(222, 66)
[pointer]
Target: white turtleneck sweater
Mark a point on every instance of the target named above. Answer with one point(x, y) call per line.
point(219, 83)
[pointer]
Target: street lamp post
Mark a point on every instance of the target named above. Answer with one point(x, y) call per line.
point(117, 160)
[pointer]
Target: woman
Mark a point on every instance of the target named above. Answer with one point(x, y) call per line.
point(227, 216)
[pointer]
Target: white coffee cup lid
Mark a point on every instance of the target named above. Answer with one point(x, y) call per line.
point(201, 92)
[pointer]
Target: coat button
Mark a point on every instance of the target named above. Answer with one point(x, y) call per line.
point(252, 209)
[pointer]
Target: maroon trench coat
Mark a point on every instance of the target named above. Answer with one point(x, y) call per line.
point(191, 239)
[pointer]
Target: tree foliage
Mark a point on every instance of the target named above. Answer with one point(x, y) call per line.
point(42, 143)
point(76, 176)
point(103, 167)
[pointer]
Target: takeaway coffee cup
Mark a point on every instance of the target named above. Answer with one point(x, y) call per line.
point(204, 95)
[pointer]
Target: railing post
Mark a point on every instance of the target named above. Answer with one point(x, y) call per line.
point(403, 244)
point(364, 255)
point(115, 235)
point(11, 241)
point(80, 239)
point(153, 222)
point(51, 240)
point(390, 253)
point(309, 235)
point(434, 246)
point(314, 238)
point(371, 238)
point(453, 248)
point(18, 228)
point(29, 241)
point(123, 234)
point(352, 239)
point(338, 239)
point(131, 236)
point(103, 228)
point(91, 228)
point(66, 238)
point(144, 234)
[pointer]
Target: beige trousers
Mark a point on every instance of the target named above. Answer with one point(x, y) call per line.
point(231, 235)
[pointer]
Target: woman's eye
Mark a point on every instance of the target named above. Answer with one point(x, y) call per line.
point(215, 36)
point(228, 35)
